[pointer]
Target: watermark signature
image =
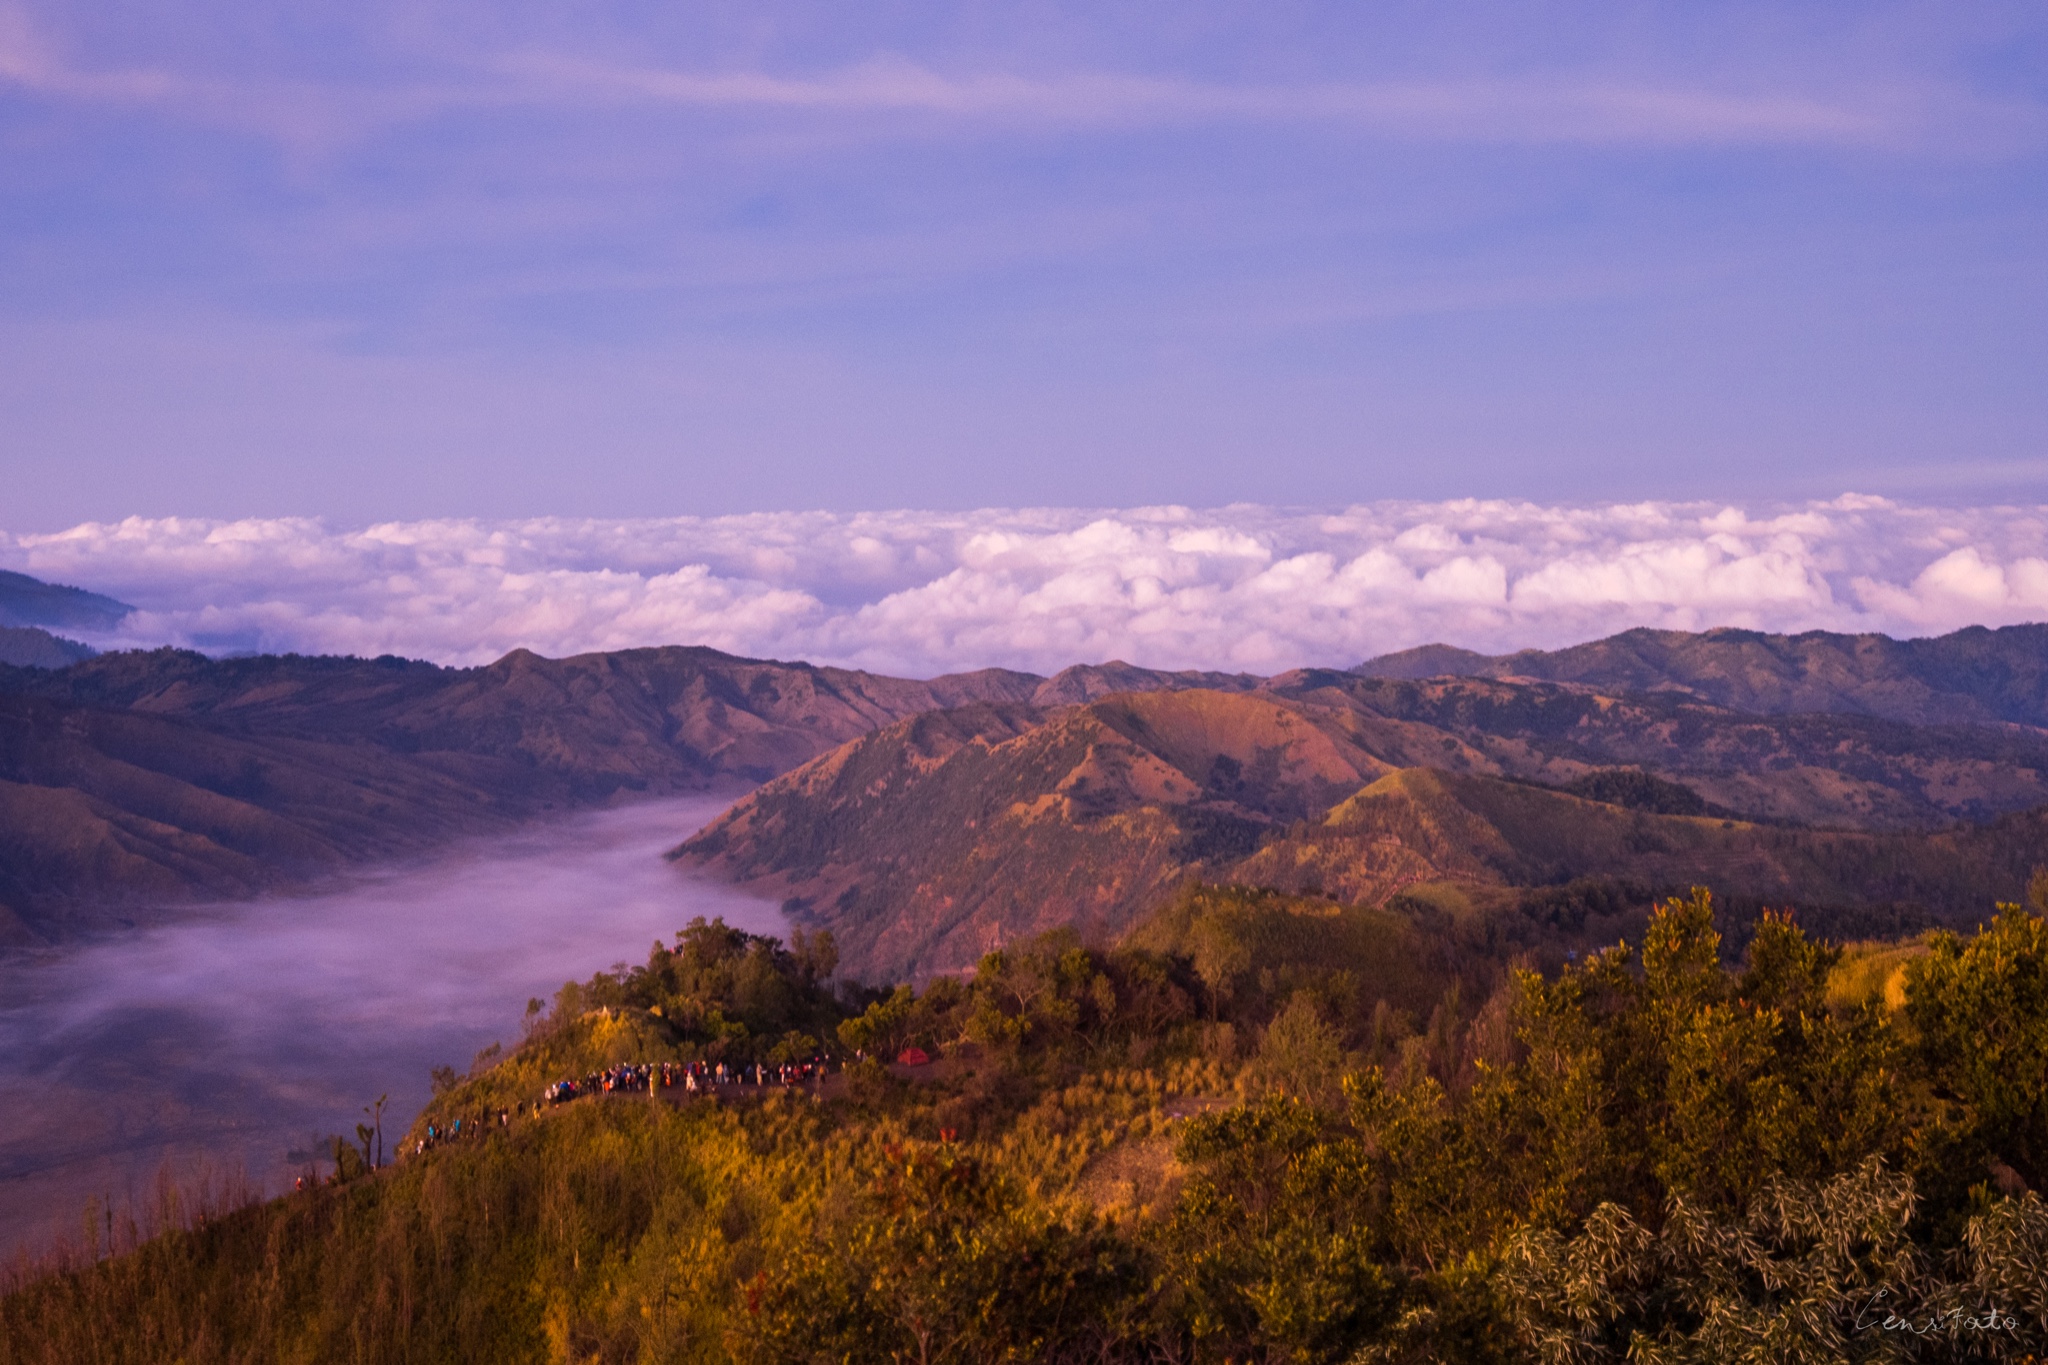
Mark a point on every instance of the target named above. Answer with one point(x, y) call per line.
point(1945, 1323)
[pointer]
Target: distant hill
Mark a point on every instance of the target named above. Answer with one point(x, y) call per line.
point(33, 647)
point(1422, 826)
point(1973, 676)
point(996, 801)
point(929, 842)
point(145, 777)
point(1816, 767)
point(26, 601)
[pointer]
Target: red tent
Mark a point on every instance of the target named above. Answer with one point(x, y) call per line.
point(913, 1056)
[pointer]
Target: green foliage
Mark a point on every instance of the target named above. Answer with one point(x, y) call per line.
point(883, 1029)
point(1274, 1244)
point(1252, 949)
point(723, 988)
point(1651, 1155)
point(939, 1257)
point(1047, 1002)
point(1981, 1009)
point(1812, 1272)
point(1301, 1054)
point(1685, 1077)
point(1638, 790)
point(719, 994)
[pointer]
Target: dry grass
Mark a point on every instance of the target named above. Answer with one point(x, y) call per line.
point(1873, 971)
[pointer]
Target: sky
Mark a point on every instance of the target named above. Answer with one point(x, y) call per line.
point(406, 263)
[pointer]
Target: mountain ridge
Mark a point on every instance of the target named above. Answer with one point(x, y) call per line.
point(26, 601)
point(1976, 675)
point(156, 776)
point(34, 647)
point(925, 844)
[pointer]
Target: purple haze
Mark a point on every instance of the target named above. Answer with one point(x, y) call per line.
point(232, 1038)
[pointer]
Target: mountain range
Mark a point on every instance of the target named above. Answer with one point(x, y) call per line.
point(1973, 676)
point(926, 820)
point(933, 840)
point(141, 778)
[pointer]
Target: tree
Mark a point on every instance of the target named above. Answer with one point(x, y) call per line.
point(1980, 1007)
point(1301, 1054)
point(943, 1260)
point(1821, 1272)
point(1274, 1243)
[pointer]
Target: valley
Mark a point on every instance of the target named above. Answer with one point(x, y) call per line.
point(223, 1043)
point(1196, 1013)
point(135, 781)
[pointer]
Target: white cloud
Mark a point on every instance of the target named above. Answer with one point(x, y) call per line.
point(919, 593)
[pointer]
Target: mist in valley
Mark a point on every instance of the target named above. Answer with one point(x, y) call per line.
point(232, 1038)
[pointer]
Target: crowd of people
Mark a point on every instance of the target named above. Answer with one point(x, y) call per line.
point(693, 1078)
point(646, 1078)
point(458, 1128)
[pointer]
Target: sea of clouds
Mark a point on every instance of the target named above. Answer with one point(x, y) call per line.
point(920, 592)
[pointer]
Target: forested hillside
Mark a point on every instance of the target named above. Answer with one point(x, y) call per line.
point(1262, 1128)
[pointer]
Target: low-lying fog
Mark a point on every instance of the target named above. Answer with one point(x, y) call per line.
point(240, 1035)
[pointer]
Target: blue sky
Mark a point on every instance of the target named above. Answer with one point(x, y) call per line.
point(370, 260)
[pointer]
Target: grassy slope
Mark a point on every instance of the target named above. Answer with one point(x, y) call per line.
point(928, 843)
point(1854, 771)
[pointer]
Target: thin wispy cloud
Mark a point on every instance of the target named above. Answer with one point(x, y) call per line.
point(920, 593)
point(298, 114)
point(1499, 110)
point(1566, 108)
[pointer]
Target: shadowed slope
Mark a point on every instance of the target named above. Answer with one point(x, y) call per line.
point(1972, 676)
point(26, 601)
point(150, 776)
point(33, 647)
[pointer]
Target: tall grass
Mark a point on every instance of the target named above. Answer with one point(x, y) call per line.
point(517, 1247)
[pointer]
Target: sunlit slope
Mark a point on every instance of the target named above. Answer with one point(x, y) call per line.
point(930, 842)
point(1419, 826)
point(1813, 768)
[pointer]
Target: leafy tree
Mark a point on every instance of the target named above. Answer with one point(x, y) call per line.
point(1301, 1054)
point(1980, 1007)
point(1274, 1242)
point(1811, 1272)
point(943, 1260)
